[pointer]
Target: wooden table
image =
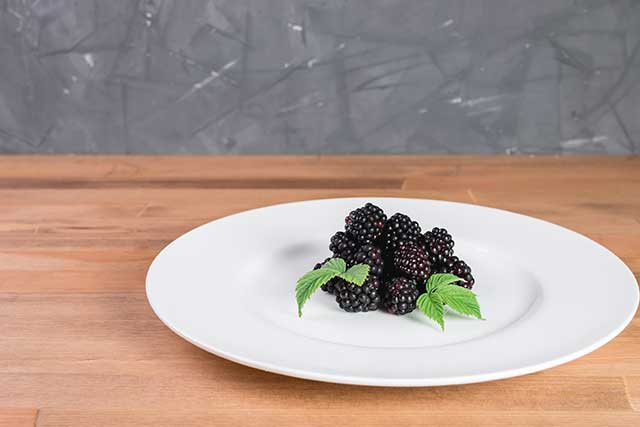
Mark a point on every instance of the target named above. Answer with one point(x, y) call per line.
point(79, 344)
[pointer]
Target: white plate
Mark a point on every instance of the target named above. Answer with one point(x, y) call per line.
point(549, 296)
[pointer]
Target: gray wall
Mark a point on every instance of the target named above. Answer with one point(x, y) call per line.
point(314, 76)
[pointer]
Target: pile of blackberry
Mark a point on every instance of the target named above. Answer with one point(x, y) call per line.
point(400, 256)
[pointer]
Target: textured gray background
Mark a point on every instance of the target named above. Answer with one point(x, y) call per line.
point(313, 76)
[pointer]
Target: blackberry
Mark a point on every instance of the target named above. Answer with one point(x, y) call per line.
point(438, 245)
point(400, 295)
point(329, 286)
point(455, 265)
point(372, 256)
point(412, 262)
point(320, 264)
point(398, 231)
point(365, 223)
point(353, 298)
point(343, 245)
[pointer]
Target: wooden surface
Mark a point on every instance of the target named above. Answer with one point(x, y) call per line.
point(79, 344)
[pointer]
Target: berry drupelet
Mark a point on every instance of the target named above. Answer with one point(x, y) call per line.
point(353, 298)
point(458, 267)
point(412, 262)
point(372, 256)
point(343, 245)
point(329, 286)
point(320, 264)
point(400, 295)
point(398, 231)
point(365, 224)
point(438, 244)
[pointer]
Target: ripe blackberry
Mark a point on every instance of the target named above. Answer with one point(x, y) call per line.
point(398, 231)
point(320, 264)
point(365, 223)
point(343, 245)
point(412, 262)
point(329, 286)
point(455, 265)
point(400, 295)
point(439, 245)
point(372, 256)
point(354, 298)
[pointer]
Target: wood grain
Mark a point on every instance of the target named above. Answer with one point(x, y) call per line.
point(18, 417)
point(79, 345)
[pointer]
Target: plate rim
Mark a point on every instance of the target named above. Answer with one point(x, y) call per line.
point(398, 382)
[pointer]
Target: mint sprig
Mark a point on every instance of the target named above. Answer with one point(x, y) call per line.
point(356, 274)
point(440, 290)
point(440, 279)
point(335, 267)
point(309, 283)
point(460, 299)
point(431, 304)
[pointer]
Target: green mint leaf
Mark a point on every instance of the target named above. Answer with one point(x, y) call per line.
point(336, 265)
point(460, 299)
point(433, 307)
point(440, 279)
point(309, 283)
point(356, 274)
